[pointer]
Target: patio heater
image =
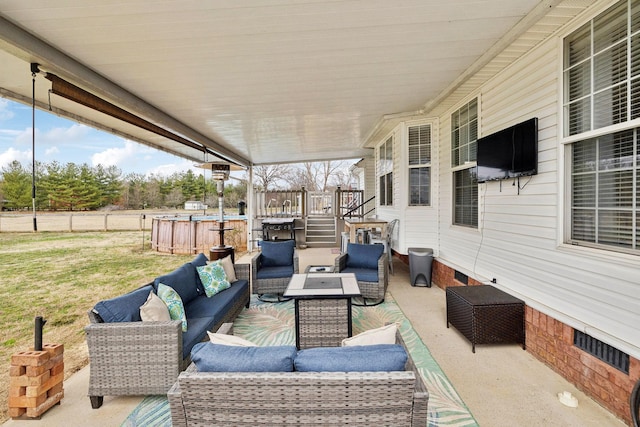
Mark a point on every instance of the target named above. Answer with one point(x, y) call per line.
point(220, 173)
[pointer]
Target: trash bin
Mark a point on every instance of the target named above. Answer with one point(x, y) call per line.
point(420, 261)
point(241, 205)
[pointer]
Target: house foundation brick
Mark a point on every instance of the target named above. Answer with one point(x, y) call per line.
point(551, 341)
point(36, 381)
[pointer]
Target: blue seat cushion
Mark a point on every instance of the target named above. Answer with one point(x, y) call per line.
point(363, 274)
point(275, 272)
point(363, 256)
point(274, 254)
point(218, 305)
point(196, 332)
point(184, 280)
point(362, 358)
point(210, 357)
point(199, 261)
point(123, 308)
point(203, 313)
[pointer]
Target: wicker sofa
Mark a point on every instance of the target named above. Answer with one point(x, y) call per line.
point(397, 398)
point(130, 357)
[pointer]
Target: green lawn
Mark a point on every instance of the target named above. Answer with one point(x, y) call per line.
point(60, 276)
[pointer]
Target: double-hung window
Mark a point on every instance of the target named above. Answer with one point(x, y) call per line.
point(419, 165)
point(464, 137)
point(602, 97)
point(385, 172)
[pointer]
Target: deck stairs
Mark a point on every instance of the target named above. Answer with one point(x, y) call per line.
point(321, 232)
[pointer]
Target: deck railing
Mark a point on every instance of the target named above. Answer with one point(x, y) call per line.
point(274, 204)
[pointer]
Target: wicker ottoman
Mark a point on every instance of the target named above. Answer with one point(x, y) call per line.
point(486, 315)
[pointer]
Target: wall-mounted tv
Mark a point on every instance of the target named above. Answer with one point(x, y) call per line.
point(509, 153)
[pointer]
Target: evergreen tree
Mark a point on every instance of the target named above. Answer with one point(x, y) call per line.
point(16, 186)
point(109, 184)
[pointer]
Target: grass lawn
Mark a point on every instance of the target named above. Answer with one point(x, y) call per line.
point(60, 276)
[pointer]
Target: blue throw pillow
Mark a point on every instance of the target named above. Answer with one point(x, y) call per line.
point(210, 357)
point(200, 260)
point(277, 254)
point(124, 308)
point(184, 280)
point(363, 256)
point(363, 358)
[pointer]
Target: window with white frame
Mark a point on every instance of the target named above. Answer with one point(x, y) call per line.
point(419, 165)
point(602, 97)
point(385, 172)
point(464, 137)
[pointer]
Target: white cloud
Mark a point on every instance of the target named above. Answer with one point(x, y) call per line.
point(51, 151)
point(116, 155)
point(5, 111)
point(12, 154)
point(171, 168)
point(68, 135)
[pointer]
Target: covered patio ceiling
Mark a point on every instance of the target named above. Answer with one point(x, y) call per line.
point(262, 81)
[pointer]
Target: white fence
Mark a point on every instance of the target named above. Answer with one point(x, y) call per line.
point(94, 221)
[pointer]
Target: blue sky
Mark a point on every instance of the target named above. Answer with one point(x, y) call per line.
point(65, 141)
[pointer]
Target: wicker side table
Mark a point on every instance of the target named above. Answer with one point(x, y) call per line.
point(486, 315)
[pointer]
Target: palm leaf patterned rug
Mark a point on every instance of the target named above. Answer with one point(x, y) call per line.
point(274, 324)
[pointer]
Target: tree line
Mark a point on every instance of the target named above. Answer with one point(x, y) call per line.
point(73, 187)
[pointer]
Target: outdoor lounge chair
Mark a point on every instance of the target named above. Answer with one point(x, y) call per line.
point(272, 268)
point(369, 264)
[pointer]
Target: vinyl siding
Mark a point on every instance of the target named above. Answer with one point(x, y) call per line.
point(519, 239)
point(519, 235)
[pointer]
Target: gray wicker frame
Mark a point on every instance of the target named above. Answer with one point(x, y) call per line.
point(300, 398)
point(141, 358)
point(369, 290)
point(275, 286)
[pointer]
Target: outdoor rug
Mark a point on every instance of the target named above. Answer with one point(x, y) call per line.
point(274, 324)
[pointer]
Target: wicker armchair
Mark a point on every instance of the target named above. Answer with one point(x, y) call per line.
point(398, 398)
point(141, 358)
point(270, 279)
point(372, 274)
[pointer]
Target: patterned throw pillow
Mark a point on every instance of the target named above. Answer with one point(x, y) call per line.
point(174, 304)
point(213, 277)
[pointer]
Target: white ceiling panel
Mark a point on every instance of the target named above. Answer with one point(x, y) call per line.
point(261, 81)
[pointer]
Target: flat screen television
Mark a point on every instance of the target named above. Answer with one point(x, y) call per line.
point(509, 153)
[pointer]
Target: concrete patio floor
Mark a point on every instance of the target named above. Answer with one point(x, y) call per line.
point(502, 385)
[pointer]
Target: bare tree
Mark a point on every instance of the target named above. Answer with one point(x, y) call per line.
point(266, 177)
point(318, 176)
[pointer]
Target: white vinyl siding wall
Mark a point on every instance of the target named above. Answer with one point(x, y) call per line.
point(419, 224)
point(520, 227)
point(521, 224)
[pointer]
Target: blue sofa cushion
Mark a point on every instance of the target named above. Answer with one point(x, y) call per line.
point(200, 261)
point(217, 306)
point(363, 274)
point(123, 308)
point(275, 272)
point(203, 313)
point(184, 280)
point(196, 332)
point(210, 357)
point(362, 358)
point(363, 256)
point(275, 254)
